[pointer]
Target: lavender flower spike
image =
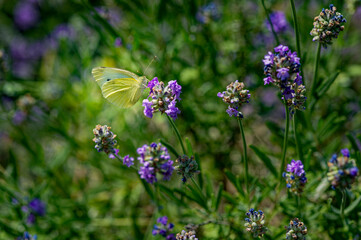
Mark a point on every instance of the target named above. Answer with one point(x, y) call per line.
point(295, 177)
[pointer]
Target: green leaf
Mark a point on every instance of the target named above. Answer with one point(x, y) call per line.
point(219, 195)
point(235, 181)
point(169, 147)
point(147, 189)
point(324, 87)
point(265, 159)
point(170, 193)
point(189, 147)
point(352, 206)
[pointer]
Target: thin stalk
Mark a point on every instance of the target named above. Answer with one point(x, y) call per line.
point(198, 187)
point(298, 202)
point(285, 141)
point(271, 24)
point(343, 203)
point(245, 159)
point(315, 75)
point(297, 33)
point(298, 147)
point(177, 133)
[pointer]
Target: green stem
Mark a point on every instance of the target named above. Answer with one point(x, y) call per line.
point(271, 24)
point(315, 75)
point(298, 201)
point(177, 133)
point(198, 187)
point(298, 147)
point(285, 141)
point(245, 159)
point(298, 45)
point(343, 203)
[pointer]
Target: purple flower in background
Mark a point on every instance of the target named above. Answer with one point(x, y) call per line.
point(19, 117)
point(31, 219)
point(155, 159)
point(207, 13)
point(27, 236)
point(112, 15)
point(235, 96)
point(118, 42)
point(114, 154)
point(279, 22)
point(37, 206)
point(163, 98)
point(128, 161)
point(164, 228)
point(342, 170)
point(295, 167)
point(26, 14)
point(345, 152)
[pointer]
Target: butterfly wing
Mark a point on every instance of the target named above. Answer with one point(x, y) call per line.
point(118, 86)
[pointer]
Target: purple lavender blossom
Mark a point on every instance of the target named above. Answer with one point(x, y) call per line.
point(163, 98)
point(279, 22)
point(207, 13)
point(114, 154)
point(345, 152)
point(172, 111)
point(118, 42)
point(295, 167)
point(128, 161)
point(155, 159)
point(148, 111)
point(282, 69)
point(27, 236)
point(31, 219)
point(26, 14)
point(37, 206)
point(164, 229)
point(235, 96)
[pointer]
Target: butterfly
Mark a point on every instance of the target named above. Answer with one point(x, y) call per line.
point(120, 87)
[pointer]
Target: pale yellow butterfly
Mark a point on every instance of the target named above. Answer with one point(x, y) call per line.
point(120, 87)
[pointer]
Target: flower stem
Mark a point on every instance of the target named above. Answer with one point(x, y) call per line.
point(245, 159)
point(343, 203)
point(298, 147)
point(298, 201)
point(271, 24)
point(317, 60)
point(177, 133)
point(297, 33)
point(285, 141)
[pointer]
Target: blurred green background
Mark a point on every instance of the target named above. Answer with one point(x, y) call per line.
point(50, 104)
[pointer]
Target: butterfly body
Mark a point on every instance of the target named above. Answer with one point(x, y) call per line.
point(120, 87)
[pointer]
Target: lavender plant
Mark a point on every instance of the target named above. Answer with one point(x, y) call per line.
point(255, 223)
point(27, 236)
point(183, 235)
point(296, 230)
point(164, 228)
point(295, 177)
point(187, 167)
point(154, 159)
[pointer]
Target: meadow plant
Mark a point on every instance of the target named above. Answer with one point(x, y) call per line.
point(154, 159)
point(327, 26)
point(255, 223)
point(164, 228)
point(163, 98)
point(105, 140)
point(295, 177)
point(27, 236)
point(183, 235)
point(208, 13)
point(187, 167)
point(342, 170)
point(282, 69)
point(235, 96)
point(279, 22)
point(296, 230)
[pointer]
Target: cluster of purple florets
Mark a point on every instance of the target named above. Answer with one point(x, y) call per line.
point(154, 159)
point(27, 236)
point(279, 22)
point(255, 223)
point(163, 98)
point(164, 228)
point(282, 69)
point(295, 177)
point(33, 209)
point(342, 172)
point(183, 235)
point(235, 96)
point(327, 26)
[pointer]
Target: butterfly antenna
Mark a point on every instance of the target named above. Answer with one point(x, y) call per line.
point(145, 72)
